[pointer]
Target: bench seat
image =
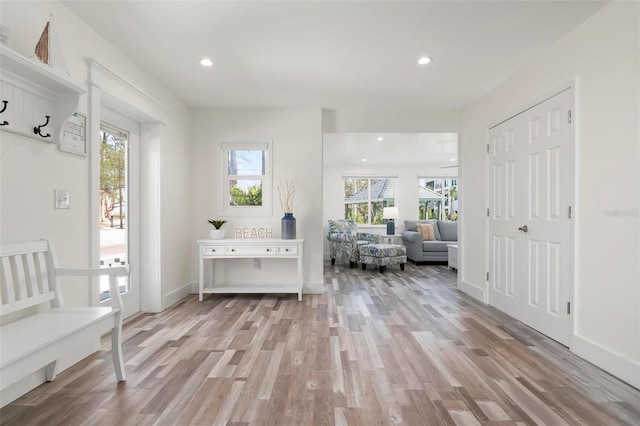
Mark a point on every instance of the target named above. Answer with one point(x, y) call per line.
point(57, 332)
point(47, 330)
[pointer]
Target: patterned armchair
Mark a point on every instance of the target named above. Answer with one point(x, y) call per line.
point(344, 240)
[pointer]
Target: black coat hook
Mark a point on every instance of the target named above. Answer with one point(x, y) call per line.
point(4, 107)
point(38, 129)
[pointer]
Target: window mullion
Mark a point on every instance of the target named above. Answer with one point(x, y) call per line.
point(370, 210)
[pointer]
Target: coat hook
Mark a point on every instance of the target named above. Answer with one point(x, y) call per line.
point(38, 129)
point(4, 107)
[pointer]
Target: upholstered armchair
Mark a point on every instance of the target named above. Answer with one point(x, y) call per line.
point(345, 240)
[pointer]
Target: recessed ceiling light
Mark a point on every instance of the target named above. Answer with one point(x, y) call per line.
point(206, 62)
point(453, 159)
point(425, 60)
point(363, 160)
point(380, 138)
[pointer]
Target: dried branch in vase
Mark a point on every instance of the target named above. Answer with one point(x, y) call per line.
point(286, 191)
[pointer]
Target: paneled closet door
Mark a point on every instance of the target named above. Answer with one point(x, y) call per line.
point(530, 186)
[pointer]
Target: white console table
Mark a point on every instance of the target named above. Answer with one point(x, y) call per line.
point(249, 248)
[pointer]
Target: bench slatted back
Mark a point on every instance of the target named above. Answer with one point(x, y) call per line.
point(27, 276)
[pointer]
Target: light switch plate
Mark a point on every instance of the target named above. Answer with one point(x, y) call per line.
point(61, 199)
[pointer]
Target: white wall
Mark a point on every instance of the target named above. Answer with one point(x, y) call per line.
point(176, 158)
point(602, 55)
point(297, 154)
point(31, 170)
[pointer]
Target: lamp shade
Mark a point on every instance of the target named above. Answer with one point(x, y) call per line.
point(390, 213)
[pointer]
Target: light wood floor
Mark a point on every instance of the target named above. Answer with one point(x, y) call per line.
point(376, 349)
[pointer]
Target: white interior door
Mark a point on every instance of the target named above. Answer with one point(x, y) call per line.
point(530, 192)
point(119, 226)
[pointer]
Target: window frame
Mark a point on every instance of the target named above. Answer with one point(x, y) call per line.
point(454, 182)
point(225, 197)
point(369, 178)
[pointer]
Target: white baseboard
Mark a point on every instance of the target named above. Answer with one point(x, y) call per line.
point(623, 368)
point(472, 290)
point(178, 294)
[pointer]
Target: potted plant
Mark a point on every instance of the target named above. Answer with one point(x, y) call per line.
point(217, 233)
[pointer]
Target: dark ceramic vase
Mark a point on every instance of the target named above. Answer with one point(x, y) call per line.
point(288, 227)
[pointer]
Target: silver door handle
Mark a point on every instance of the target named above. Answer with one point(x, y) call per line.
point(523, 229)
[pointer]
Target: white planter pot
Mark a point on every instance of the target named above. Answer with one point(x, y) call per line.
point(217, 234)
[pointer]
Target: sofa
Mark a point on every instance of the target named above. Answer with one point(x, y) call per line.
point(435, 250)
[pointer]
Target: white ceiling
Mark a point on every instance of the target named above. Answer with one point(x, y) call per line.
point(337, 55)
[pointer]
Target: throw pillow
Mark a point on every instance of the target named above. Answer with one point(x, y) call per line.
point(426, 230)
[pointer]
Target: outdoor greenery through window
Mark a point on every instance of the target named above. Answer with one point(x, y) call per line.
point(246, 172)
point(364, 198)
point(112, 172)
point(438, 198)
point(246, 178)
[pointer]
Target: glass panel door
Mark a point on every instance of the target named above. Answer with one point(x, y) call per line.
point(114, 235)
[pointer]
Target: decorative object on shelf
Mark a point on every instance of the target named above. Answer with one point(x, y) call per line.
point(391, 214)
point(217, 233)
point(48, 49)
point(4, 107)
point(42, 48)
point(38, 129)
point(286, 190)
point(288, 223)
point(253, 233)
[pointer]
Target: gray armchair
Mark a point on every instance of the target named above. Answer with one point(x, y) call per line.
point(344, 240)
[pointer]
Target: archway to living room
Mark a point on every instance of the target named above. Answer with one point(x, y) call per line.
point(417, 173)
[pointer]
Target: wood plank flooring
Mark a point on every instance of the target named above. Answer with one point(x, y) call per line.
point(403, 347)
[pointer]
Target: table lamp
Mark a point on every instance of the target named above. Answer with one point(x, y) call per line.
point(390, 213)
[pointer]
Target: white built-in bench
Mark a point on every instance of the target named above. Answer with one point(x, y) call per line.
point(29, 279)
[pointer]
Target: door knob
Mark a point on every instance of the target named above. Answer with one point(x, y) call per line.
point(523, 229)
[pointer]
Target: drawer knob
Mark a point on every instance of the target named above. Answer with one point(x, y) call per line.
point(268, 249)
point(233, 249)
point(286, 249)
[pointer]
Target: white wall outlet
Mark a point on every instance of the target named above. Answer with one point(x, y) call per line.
point(62, 199)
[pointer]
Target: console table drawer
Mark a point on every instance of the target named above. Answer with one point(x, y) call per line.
point(250, 251)
point(287, 251)
point(212, 251)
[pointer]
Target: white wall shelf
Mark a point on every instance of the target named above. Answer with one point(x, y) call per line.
point(32, 91)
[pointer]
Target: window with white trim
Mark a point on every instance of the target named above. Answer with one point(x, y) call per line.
point(246, 169)
point(438, 198)
point(365, 197)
